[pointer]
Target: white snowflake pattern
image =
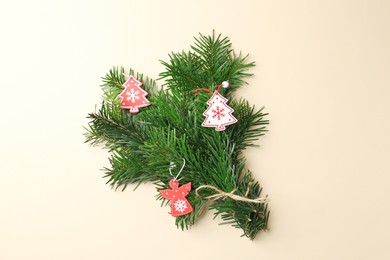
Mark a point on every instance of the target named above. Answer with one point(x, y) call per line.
point(132, 95)
point(180, 205)
point(218, 113)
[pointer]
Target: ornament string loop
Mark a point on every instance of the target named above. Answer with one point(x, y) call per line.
point(223, 195)
point(196, 91)
point(173, 165)
point(224, 84)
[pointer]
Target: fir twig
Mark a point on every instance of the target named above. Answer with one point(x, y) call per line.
point(143, 145)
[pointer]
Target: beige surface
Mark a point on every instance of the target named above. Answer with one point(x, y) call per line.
point(322, 73)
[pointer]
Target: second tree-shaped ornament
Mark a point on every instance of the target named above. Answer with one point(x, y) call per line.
point(218, 114)
point(142, 145)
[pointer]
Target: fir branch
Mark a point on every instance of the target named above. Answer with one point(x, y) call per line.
point(183, 72)
point(238, 67)
point(250, 217)
point(214, 53)
point(114, 128)
point(211, 62)
point(127, 168)
point(170, 130)
point(252, 124)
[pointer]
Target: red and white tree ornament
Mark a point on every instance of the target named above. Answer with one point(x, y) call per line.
point(218, 114)
point(179, 204)
point(133, 96)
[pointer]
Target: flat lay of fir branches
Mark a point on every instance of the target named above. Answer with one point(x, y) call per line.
point(143, 145)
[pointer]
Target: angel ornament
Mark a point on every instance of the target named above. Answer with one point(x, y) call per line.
point(179, 204)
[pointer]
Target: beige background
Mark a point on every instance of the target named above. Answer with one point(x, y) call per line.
point(322, 73)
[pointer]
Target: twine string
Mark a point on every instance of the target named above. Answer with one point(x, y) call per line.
point(196, 91)
point(219, 86)
point(222, 195)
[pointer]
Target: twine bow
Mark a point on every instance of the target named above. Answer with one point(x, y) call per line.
point(222, 195)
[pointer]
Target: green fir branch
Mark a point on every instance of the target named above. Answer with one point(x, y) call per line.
point(143, 145)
